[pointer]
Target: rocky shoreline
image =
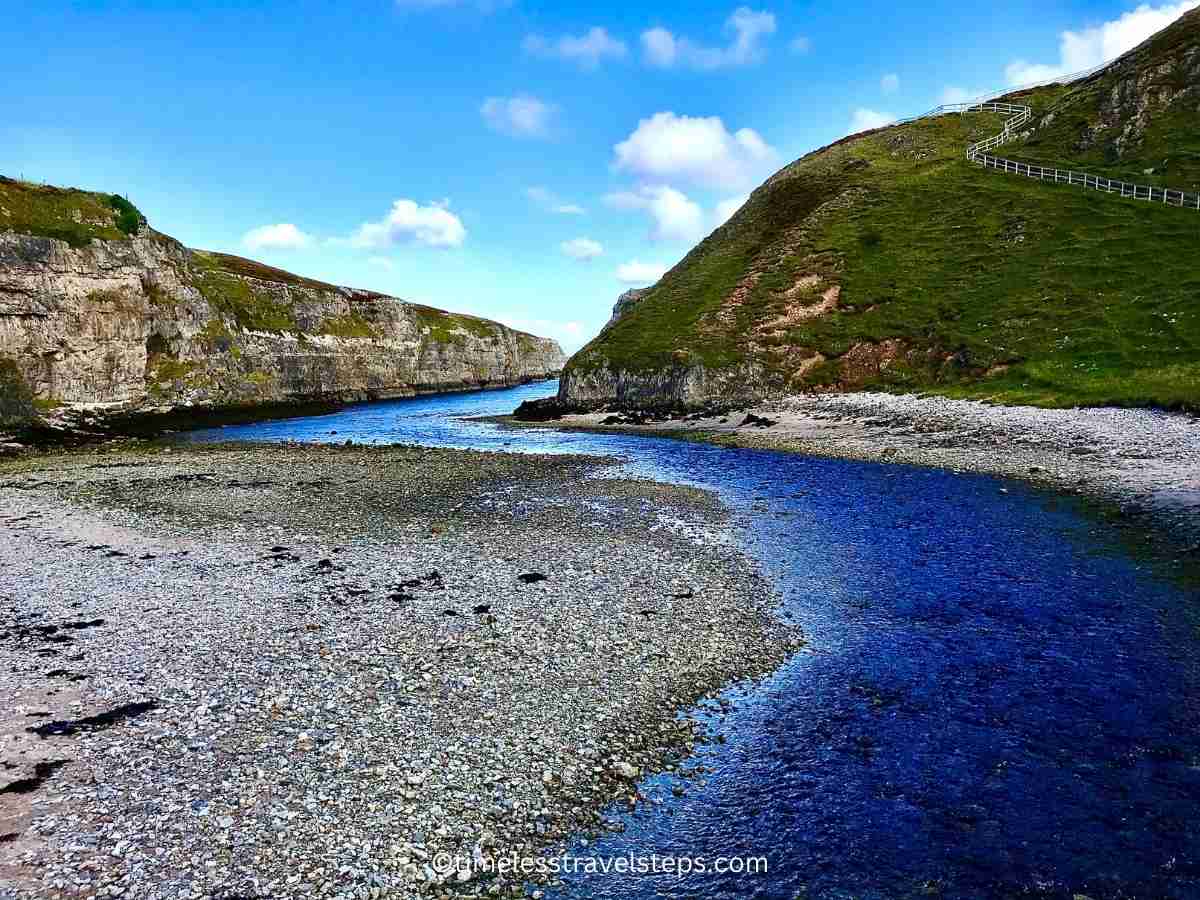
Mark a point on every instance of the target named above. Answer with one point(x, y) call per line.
point(1144, 464)
point(251, 671)
point(84, 424)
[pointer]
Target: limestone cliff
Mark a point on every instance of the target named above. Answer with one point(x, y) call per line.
point(100, 312)
point(626, 302)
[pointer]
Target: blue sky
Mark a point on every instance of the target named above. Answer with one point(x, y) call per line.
point(521, 162)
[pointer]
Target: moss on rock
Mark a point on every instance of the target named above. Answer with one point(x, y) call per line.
point(348, 325)
point(16, 399)
point(252, 307)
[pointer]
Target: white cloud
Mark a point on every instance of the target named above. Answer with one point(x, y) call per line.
point(433, 225)
point(867, 119)
point(626, 200)
point(520, 116)
point(726, 208)
point(284, 236)
point(746, 28)
point(1078, 50)
point(674, 216)
point(889, 83)
point(658, 47)
point(551, 202)
point(588, 50)
point(800, 44)
point(581, 248)
point(697, 150)
point(636, 272)
point(954, 94)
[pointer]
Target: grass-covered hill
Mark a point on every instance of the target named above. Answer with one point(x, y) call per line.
point(887, 260)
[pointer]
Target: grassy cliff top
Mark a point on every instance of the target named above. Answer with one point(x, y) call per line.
point(67, 214)
point(222, 278)
point(888, 260)
point(229, 283)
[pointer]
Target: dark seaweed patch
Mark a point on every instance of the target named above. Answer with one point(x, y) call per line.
point(93, 723)
point(41, 771)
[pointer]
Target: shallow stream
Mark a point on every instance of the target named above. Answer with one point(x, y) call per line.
point(997, 700)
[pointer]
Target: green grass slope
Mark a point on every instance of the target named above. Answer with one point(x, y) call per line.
point(887, 260)
point(67, 214)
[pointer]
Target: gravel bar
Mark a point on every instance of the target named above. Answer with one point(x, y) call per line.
point(274, 671)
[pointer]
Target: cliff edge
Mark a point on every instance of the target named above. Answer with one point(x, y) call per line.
point(101, 317)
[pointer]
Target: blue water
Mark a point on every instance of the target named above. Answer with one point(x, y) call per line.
point(996, 700)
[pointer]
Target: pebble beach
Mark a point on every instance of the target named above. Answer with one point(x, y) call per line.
point(251, 671)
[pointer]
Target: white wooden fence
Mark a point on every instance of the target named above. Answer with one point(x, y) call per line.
point(1020, 115)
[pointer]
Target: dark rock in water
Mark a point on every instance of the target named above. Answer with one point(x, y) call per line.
point(401, 598)
point(531, 577)
point(542, 410)
point(685, 594)
point(41, 771)
point(93, 723)
point(449, 612)
point(480, 608)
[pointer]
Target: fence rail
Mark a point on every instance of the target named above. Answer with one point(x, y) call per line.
point(1020, 115)
point(1169, 196)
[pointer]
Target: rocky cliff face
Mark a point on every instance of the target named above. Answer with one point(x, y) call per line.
point(626, 302)
point(142, 324)
point(675, 386)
